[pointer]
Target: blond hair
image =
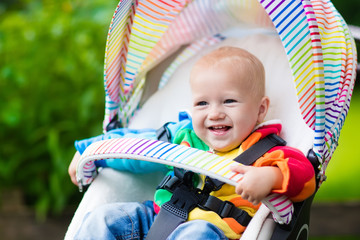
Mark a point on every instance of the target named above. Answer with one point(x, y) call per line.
point(241, 61)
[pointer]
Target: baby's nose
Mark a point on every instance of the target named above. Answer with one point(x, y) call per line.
point(216, 113)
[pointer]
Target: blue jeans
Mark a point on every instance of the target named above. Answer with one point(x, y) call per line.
point(133, 221)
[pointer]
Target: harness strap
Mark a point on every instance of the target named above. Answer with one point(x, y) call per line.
point(185, 197)
point(160, 229)
point(226, 209)
point(174, 212)
point(256, 151)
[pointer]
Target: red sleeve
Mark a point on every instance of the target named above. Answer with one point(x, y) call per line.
point(298, 173)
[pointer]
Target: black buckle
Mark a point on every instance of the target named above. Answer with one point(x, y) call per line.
point(163, 133)
point(226, 209)
point(212, 204)
point(222, 208)
point(186, 198)
point(169, 183)
point(241, 216)
point(212, 184)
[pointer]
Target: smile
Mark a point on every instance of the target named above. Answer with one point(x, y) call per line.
point(219, 129)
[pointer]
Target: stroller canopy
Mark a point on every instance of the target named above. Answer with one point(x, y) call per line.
point(317, 42)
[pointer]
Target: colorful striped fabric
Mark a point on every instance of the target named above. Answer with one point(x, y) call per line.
point(174, 155)
point(135, 29)
point(322, 57)
point(320, 50)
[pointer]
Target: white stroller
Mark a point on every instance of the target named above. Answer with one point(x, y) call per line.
point(310, 63)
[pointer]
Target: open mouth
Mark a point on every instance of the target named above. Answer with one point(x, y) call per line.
point(219, 129)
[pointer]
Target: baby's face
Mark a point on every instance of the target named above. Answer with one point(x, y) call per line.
point(224, 110)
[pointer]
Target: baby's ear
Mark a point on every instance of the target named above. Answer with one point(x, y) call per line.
point(263, 108)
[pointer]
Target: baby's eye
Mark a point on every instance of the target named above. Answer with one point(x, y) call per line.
point(227, 101)
point(201, 103)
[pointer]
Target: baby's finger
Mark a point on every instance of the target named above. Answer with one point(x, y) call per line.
point(239, 168)
point(255, 202)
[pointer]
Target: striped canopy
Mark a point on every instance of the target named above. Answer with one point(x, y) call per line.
point(317, 41)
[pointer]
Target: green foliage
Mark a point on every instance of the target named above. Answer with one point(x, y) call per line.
point(51, 93)
point(346, 9)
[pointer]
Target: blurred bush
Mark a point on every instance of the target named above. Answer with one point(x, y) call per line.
point(51, 93)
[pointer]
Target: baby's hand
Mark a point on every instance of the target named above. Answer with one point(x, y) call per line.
point(72, 168)
point(257, 182)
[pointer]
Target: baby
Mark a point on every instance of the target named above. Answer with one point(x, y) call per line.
point(229, 107)
point(228, 92)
